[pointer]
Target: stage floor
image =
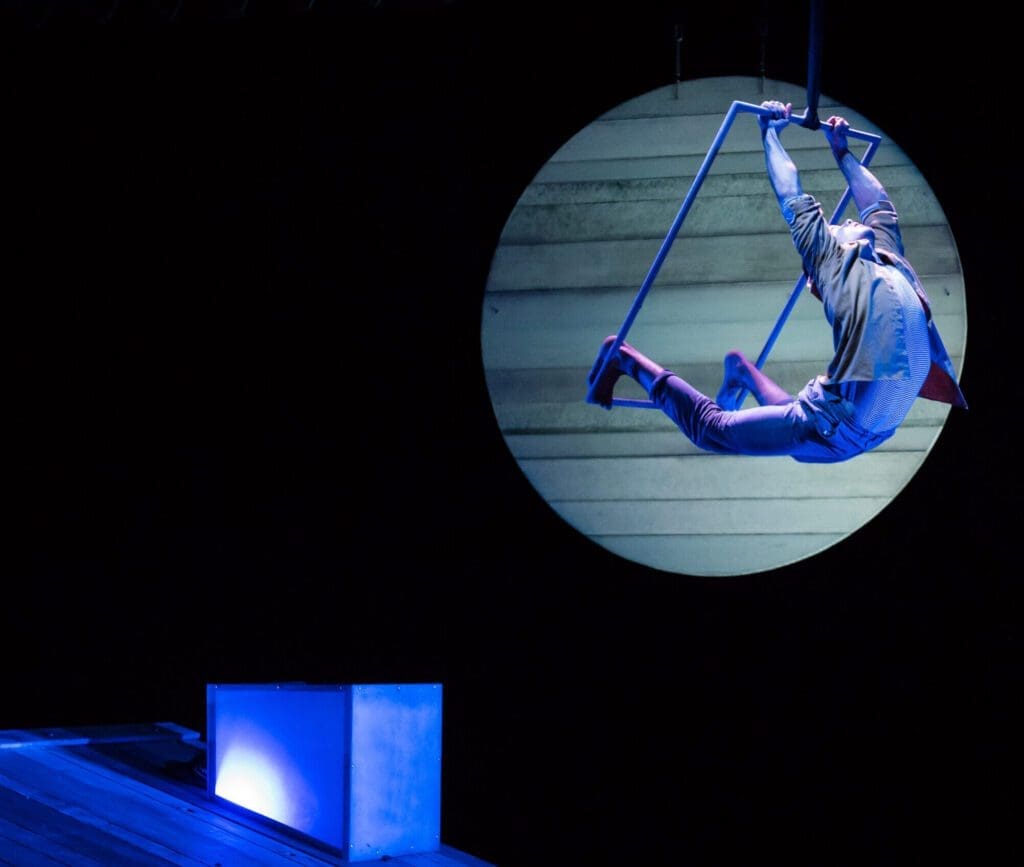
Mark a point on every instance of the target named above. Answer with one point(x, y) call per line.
point(136, 795)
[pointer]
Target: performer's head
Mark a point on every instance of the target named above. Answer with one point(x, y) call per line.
point(852, 232)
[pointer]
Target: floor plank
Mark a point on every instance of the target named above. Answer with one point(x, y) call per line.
point(117, 795)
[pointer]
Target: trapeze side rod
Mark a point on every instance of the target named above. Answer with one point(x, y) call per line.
point(677, 223)
point(684, 209)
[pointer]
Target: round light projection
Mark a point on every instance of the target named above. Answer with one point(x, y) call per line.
point(570, 261)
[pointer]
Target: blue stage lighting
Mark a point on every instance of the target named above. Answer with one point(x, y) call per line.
point(357, 766)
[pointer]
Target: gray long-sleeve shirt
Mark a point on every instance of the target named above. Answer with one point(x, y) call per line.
point(856, 283)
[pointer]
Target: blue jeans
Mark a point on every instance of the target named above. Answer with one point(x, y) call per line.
point(815, 427)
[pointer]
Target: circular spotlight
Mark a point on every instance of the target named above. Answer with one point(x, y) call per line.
point(573, 254)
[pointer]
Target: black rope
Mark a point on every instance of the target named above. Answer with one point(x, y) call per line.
point(814, 66)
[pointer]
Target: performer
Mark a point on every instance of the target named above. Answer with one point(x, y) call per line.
point(887, 348)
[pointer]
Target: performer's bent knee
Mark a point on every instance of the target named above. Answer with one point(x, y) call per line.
point(766, 430)
point(702, 420)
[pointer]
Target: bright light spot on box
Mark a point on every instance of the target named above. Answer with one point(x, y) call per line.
point(247, 778)
point(255, 772)
point(356, 766)
point(281, 753)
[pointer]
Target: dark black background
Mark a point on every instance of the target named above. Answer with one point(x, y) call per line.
point(243, 263)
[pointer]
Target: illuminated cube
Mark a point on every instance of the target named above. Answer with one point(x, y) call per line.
point(356, 766)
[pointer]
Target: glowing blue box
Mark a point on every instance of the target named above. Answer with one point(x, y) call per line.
point(356, 766)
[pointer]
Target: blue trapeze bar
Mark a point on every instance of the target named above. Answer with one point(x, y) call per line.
point(807, 119)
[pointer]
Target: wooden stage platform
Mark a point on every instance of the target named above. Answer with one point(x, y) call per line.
point(136, 795)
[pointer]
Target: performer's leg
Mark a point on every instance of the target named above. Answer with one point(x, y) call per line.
point(775, 429)
point(634, 364)
point(741, 373)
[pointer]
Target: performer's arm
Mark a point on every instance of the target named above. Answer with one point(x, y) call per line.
point(811, 236)
point(782, 171)
point(865, 188)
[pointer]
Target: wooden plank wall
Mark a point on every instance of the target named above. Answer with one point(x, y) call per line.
point(571, 259)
